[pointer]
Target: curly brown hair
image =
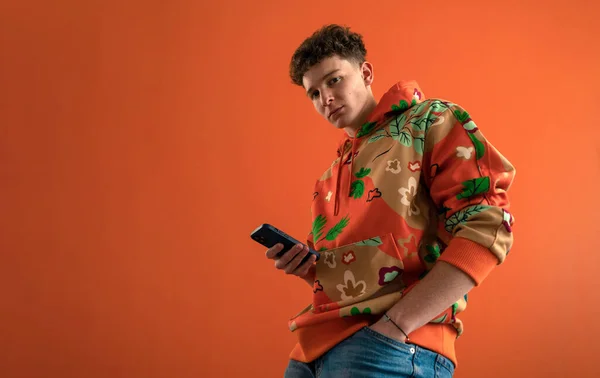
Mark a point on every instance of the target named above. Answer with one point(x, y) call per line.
point(327, 41)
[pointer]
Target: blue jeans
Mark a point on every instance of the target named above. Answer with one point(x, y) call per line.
point(369, 354)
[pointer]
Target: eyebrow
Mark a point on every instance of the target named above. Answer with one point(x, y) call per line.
point(330, 73)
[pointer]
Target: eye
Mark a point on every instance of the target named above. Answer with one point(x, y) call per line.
point(314, 94)
point(334, 80)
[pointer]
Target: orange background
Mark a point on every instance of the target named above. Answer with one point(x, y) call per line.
point(141, 143)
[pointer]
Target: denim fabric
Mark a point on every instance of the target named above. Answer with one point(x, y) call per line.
point(369, 354)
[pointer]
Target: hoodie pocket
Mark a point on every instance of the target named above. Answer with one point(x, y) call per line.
point(356, 272)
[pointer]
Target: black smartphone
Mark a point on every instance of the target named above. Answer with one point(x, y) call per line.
point(268, 236)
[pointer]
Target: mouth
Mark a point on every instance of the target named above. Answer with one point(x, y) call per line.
point(334, 112)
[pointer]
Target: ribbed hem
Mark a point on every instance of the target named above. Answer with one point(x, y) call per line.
point(474, 259)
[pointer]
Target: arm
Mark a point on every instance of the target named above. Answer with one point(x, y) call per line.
point(468, 178)
point(442, 287)
point(309, 276)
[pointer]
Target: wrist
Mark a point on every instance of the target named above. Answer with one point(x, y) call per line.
point(401, 319)
point(309, 277)
point(388, 319)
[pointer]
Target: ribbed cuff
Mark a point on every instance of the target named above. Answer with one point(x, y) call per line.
point(474, 259)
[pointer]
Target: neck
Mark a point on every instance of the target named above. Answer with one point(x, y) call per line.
point(370, 105)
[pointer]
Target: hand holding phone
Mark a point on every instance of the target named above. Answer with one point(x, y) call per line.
point(296, 261)
point(289, 255)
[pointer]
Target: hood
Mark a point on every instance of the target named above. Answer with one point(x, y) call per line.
point(400, 97)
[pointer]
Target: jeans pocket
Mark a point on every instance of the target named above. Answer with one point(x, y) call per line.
point(381, 338)
point(444, 368)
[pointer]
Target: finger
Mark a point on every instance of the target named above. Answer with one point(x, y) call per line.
point(303, 269)
point(296, 262)
point(274, 250)
point(288, 256)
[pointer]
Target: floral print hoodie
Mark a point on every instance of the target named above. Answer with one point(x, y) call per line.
point(418, 184)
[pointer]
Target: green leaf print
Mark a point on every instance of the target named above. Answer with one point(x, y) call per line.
point(418, 108)
point(440, 319)
point(438, 107)
point(355, 311)
point(322, 249)
point(463, 215)
point(403, 106)
point(318, 226)
point(462, 116)
point(400, 132)
point(433, 249)
point(396, 125)
point(479, 147)
point(365, 129)
point(421, 123)
point(433, 253)
point(373, 242)
point(357, 189)
point(337, 229)
point(375, 138)
point(404, 138)
point(470, 126)
point(363, 172)
point(419, 145)
point(473, 187)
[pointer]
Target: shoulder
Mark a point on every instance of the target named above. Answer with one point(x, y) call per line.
point(436, 111)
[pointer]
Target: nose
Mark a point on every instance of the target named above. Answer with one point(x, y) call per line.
point(326, 98)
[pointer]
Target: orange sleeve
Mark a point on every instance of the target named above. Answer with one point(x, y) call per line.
point(468, 179)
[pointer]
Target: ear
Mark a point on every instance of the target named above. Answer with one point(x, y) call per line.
point(366, 70)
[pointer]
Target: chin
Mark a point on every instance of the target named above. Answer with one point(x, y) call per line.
point(339, 123)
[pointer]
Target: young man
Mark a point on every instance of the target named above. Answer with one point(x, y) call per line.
point(411, 215)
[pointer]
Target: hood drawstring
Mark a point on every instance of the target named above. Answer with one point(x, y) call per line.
point(336, 199)
point(341, 163)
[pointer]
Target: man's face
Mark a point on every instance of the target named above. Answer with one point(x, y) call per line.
point(340, 90)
